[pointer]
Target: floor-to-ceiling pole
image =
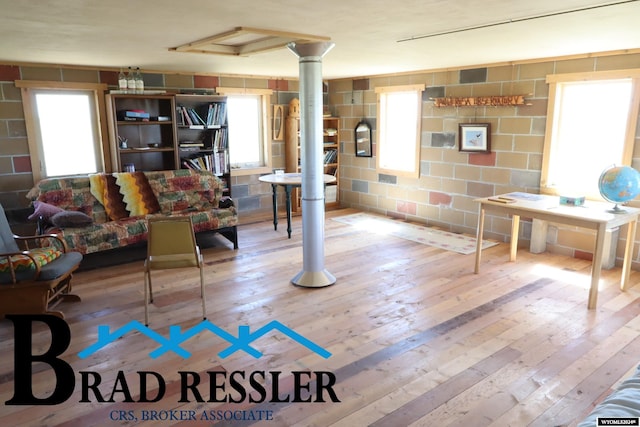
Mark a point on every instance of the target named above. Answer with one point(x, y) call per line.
point(313, 273)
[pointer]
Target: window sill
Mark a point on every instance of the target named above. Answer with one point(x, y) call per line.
point(250, 171)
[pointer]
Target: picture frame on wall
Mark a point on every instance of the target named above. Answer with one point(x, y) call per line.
point(474, 137)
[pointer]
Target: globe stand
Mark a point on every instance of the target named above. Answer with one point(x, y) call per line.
point(617, 209)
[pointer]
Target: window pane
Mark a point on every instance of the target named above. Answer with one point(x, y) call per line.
point(66, 131)
point(245, 130)
point(398, 137)
point(589, 133)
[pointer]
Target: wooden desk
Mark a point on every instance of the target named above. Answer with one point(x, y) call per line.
point(594, 215)
point(288, 181)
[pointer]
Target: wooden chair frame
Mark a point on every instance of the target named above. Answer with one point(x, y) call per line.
point(36, 296)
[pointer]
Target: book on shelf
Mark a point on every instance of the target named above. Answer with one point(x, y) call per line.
point(189, 117)
point(216, 114)
point(330, 156)
point(133, 114)
point(195, 117)
point(218, 163)
point(184, 144)
point(219, 139)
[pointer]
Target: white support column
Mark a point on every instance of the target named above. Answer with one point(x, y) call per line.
point(313, 273)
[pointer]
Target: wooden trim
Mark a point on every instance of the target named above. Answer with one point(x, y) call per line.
point(266, 125)
point(35, 152)
point(250, 171)
point(594, 75)
point(415, 173)
point(400, 88)
point(42, 84)
point(632, 122)
point(546, 149)
point(553, 115)
point(242, 91)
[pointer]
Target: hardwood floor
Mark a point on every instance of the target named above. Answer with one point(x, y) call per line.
point(416, 339)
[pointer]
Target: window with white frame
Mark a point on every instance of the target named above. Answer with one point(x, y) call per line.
point(591, 124)
point(247, 115)
point(399, 117)
point(63, 120)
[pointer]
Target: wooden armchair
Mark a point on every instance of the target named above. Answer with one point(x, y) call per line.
point(34, 280)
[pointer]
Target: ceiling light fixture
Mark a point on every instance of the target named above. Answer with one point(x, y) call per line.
point(245, 41)
point(511, 21)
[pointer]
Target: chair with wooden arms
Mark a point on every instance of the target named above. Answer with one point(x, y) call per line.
point(34, 279)
point(171, 243)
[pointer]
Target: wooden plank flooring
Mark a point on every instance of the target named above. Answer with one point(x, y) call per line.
point(416, 338)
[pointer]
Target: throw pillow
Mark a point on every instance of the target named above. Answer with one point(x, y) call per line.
point(44, 210)
point(71, 219)
point(137, 193)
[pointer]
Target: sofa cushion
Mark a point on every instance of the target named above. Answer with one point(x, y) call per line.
point(184, 190)
point(137, 193)
point(105, 236)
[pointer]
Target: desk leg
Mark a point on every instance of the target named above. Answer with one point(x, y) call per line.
point(274, 187)
point(628, 253)
point(479, 236)
point(287, 189)
point(596, 267)
point(515, 230)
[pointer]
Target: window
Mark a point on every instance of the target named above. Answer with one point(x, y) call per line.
point(399, 117)
point(247, 115)
point(62, 119)
point(591, 125)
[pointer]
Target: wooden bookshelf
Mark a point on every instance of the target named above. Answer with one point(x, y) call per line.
point(331, 149)
point(203, 136)
point(161, 137)
point(146, 142)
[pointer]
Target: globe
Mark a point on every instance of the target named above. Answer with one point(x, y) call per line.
point(619, 184)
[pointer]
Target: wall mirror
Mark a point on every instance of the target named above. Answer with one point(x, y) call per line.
point(363, 139)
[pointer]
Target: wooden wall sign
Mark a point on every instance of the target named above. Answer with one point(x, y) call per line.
point(481, 101)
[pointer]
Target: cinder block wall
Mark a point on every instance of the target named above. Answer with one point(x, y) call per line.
point(450, 180)
point(15, 168)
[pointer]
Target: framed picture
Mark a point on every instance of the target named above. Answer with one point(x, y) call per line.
point(474, 137)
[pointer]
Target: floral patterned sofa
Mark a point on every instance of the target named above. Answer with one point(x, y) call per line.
point(116, 206)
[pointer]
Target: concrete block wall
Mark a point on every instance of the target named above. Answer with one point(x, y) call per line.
point(450, 180)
